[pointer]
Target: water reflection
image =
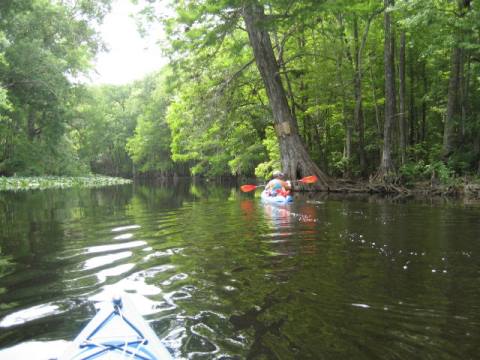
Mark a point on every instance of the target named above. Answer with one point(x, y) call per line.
point(220, 275)
point(115, 247)
point(30, 314)
point(40, 350)
point(280, 215)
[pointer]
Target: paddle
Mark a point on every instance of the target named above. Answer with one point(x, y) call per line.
point(306, 180)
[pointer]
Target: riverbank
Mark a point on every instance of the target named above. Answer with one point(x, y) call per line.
point(58, 182)
point(462, 188)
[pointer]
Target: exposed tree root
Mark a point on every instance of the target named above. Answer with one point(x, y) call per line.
point(420, 189)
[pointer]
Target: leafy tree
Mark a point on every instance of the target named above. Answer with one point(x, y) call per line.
point(46, 44)
point(149, 148)
point(105, 118)
point(386, 170)
point(218, 116)
point(294, 157)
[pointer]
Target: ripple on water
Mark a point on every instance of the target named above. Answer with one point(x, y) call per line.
point(143, 305)
point(174, 278)
point(114, 271)
point(127, 227)
point(101, 261)
point(123, 236)
point(115, 247)
point(34, 313)
point(39, 350)
point(161, 254)
point(208, 331)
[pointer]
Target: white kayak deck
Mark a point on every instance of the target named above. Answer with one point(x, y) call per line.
point(117, 331)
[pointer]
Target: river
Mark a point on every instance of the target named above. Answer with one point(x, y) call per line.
point(218, 275)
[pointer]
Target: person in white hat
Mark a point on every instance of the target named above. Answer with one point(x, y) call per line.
point(278, 185)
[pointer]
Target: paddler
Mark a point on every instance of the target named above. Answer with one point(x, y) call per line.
point(278, 186)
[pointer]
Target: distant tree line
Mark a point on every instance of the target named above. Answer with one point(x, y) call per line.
point(352, 89)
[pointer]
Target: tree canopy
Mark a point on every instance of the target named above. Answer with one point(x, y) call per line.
point(43, 45)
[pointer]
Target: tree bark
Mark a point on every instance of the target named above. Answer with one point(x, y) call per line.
point(452, 103)
point(375, 102)
point(347, 150)
point(30, 126)
point(358, 69)
point(347, 121)
point(386, 170)
point(358, 111)
point(465, 93)
point(454, 88)
point(402, 97)
point(424, 102)
point(412, 115)
point(296, 162)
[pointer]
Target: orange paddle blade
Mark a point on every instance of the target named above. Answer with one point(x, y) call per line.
point(247, 188)
point(309, 179)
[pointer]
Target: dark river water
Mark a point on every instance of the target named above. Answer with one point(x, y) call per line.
point(218, 275)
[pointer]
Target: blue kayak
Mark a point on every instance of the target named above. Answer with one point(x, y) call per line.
point(277, 199)
point(117, 332)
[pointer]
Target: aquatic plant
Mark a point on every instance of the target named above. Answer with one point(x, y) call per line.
point(58, 182)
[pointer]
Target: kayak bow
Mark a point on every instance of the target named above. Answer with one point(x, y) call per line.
point(117, 332)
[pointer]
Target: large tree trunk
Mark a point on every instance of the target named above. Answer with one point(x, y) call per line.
point(31, 125)
point(357, 83)
point(414, 133)
point(375, 102)
point(402, 99)
point(296, 162)
point(424, 102)
point(386, 170)
point(465, 94)
point(454, 88)
point(347, 121)
point(358, 69)
point(347, 151)
point(452, 103)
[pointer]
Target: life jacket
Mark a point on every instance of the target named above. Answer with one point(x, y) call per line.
point(276, 185)
point(277, 188)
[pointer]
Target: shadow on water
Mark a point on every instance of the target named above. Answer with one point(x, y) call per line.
point(220, 275)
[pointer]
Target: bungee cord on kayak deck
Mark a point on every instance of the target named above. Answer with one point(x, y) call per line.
point(112, 346)
point(117, 332)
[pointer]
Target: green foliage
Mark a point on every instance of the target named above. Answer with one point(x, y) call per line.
point(436, 172)
point(43, 44)
point(105, 118)
point(40, 158)
point(5, 104)
point(461, 161)
point(425, 164)
point(413, 171)
point(245, 156)
point(318, 69)
point(440, 171)
point(6, 267)
point(339, 163)
point(149, 147)
point(265, 169)
point(208, 114)
point(217, 127)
